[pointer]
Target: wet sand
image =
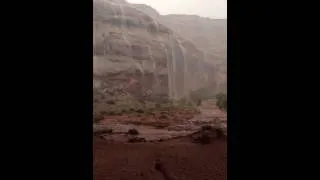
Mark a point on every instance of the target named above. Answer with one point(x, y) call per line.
point(185, 160)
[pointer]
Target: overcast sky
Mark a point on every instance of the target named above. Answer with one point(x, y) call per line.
point(207, 8)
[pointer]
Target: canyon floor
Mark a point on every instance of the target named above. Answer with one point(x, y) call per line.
point(166, 139)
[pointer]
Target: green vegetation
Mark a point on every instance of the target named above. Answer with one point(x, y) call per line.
point(222, 101)
point(202, 94)
point(128, 104)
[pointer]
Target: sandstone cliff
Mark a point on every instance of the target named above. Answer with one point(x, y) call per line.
point(137, 56)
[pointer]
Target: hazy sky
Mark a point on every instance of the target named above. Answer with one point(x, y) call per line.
point(206, 8)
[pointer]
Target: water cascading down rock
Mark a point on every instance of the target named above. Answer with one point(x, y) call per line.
point(135, 55)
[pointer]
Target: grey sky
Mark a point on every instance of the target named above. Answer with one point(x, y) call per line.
point(206, 8)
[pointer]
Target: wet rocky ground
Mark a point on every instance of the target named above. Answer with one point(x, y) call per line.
point(162, 124)
point(115, 158)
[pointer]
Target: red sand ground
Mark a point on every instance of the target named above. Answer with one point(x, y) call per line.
point(185, 160)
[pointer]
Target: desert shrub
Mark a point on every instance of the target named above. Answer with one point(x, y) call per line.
point(151, 113)
point(163, 117)
point(219, 133)
point(97, 118)
point(131, 109)
point(107, 131)
point(160, 126)
point(103, 113)
point(203, 138)
point(199, 102)
point(222, 101)
point(136, 139)
point(110, 102)
point(202, 94)
point(140, 111)
point(133, 132)
point(103, 131)
point(206, 128)
point(111, 113)
point(181, 102)
point(189, 103)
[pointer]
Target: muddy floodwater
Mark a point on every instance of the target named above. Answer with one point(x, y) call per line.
point(209, 115)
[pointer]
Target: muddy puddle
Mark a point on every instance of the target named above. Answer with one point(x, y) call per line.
point(149, 133)
point(208, 116)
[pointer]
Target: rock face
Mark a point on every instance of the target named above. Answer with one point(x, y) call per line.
point(209, 35)
point(137, 56)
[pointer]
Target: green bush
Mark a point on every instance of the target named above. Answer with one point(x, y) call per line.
point(222, 101)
